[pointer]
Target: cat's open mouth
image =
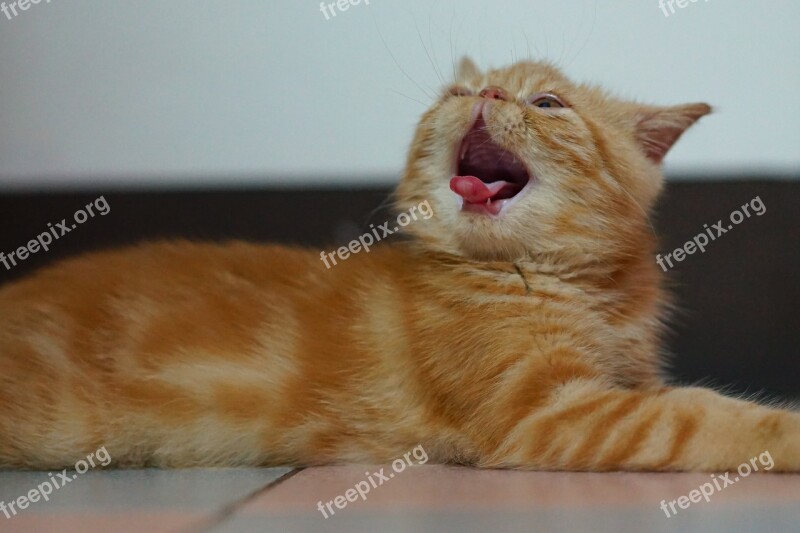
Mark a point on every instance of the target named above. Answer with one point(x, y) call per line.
point(487, 176)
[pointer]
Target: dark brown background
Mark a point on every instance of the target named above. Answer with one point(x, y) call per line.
point(739, 323)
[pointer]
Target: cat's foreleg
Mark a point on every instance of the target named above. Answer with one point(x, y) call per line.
point(584, 425)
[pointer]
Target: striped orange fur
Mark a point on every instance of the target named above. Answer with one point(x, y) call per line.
point(526, 340)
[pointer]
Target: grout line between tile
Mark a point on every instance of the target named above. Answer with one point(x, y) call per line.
point(229, 510)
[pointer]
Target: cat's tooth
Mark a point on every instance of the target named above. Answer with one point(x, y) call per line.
point(463, 150)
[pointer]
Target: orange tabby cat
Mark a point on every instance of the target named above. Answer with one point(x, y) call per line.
point(519, 326)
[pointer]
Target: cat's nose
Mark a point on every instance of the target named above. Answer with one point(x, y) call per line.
point(494, 93)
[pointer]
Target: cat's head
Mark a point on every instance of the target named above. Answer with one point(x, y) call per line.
point(520, 163)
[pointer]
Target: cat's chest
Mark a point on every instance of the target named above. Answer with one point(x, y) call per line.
point(511, 314)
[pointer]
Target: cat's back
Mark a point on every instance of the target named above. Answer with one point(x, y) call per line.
point(215, 286)
point(170, 265)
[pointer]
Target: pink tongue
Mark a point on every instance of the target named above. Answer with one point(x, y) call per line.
point(473, 190)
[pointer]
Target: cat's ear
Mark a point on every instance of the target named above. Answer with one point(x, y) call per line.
point(659, 128)
point(466, 70)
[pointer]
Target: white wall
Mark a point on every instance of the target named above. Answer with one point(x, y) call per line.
point(245, 91)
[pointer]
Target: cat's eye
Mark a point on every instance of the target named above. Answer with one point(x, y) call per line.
point(459, 91)
point(546, 101)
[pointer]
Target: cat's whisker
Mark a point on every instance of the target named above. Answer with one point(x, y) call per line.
point(588, 36)
point(394, 59)
point(433, 49)
point(423, 104)
point(389, 200)
point(428, 55)
point(528, 46)
point(452, 51)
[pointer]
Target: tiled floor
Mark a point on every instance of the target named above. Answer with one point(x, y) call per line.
point(421, 498)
